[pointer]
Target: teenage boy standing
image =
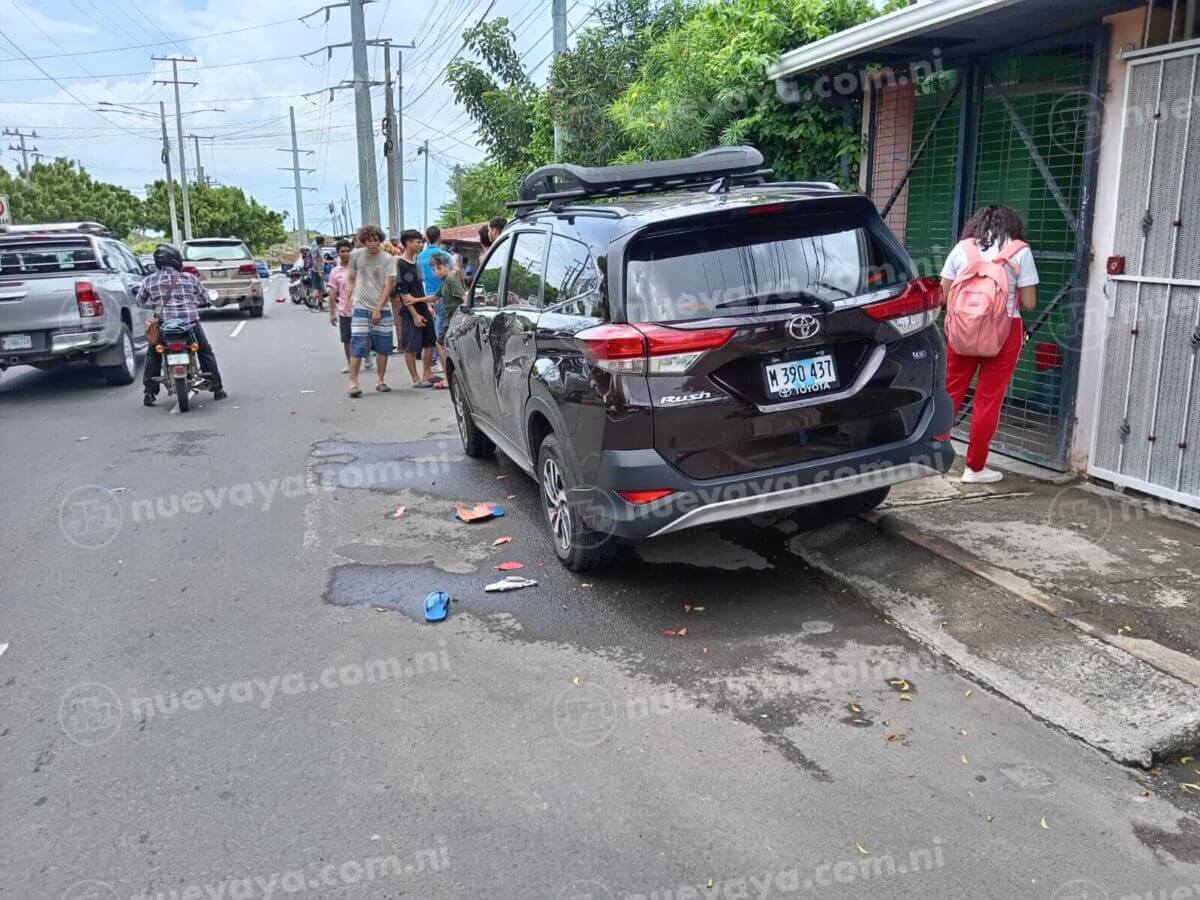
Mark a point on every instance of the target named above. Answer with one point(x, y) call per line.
point(450, 297)
point(340, 302)
point(417, 328)
point(372, 278)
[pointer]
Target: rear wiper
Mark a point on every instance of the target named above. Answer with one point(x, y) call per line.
point(800, 298)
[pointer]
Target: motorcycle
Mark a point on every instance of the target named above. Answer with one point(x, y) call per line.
point(303, 290)
point(181, 362)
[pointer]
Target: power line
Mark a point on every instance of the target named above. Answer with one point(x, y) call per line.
point(431, 84)
point(184, 39)
point(93, 76)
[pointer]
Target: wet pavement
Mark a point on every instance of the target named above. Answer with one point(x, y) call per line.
point(219, 683)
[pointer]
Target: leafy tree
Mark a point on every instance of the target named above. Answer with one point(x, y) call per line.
point(62, 192)
point(485, 188)
point(499, 95)
point(704, 83)
point(586, 80)
point(220, 211)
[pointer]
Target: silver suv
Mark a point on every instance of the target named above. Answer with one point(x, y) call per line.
point(226, 266)
point(68, 292)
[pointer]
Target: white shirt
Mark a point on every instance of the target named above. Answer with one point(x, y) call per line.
point(957, 261)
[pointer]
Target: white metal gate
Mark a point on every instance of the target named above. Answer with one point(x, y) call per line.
point(1148, 415)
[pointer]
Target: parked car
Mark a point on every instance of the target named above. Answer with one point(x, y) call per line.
point(226, 266)
point(709, 347)
point(147, 263)
point(68, 293)
point(263, 270)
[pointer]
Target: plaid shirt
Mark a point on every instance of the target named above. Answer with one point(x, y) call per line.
point(184, 302)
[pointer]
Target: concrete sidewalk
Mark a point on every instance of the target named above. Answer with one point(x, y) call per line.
point(1074, 601)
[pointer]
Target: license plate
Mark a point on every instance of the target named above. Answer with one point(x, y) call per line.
point(801, 377)
point(17, 342)
point(217, 273)
point(177, 359)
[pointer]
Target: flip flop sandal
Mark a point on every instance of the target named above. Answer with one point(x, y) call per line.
point(383, 388)
point(423, 385)
point(437, 606)
point(355, 392)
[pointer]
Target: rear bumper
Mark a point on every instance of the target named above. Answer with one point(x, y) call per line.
point(694, 503)
point(60, 345)
point(242, 294)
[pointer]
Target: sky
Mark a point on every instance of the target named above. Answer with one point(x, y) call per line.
point(249, 65)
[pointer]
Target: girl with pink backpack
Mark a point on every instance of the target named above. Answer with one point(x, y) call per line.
point(989, 277)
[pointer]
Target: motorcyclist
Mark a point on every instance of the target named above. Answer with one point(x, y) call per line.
point(175, 294)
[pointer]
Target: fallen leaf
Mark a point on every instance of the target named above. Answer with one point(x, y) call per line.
point(968, 693)
point(900, 683)
point(1190, 786)
point(964, 760)
point(854, 707)
point(906, 697)
point(891, 737)
point(510, 566)
point(861, 849)
point(575, 681)
point(501, 540)
point(1044, 825)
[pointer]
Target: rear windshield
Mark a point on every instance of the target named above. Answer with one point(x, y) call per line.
point(200, 252)
point(39, 259)
point(751, 263)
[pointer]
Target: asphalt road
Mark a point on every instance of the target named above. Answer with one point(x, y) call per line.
point(218, 682)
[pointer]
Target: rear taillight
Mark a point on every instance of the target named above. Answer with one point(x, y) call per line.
point(642, 497)
point(248, 269)
point(179, 347)
point(89, 304)
point(914, 310)
point(648, 349)
point(191, 270)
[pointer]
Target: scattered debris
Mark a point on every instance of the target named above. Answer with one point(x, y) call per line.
point(511, 583)
point(509, 566)
point(576, 681)
point(308, 392)
point(501, 477)
point(968, 694)
point(1190, 787)
point(906, 697)
point(396, 513)
point(900, 684)
point(502, 540)
point(480, 512)
point(964, 760)
point(863, 850)
point(687, 607)
point(675, 632)
point(891, 737)
point(437, 606)
point(1184, 760)
point(3, 649)
point(854, 707)
point(1044, 825)
point(511, 497)
point(586, 585)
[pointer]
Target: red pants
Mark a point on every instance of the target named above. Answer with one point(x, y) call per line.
point(995, 374)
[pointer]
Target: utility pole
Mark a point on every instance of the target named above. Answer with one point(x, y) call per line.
point(423, 150)
point(389, 140)
point(458, 194)
point(399, 150)
point(183, 180)
point(558, 15)
point(166, 158)
point(22, 149)
point(301, 231)
point(368, 187)
point(346, 206)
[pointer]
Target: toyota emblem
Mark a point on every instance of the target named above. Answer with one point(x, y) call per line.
point(804, 327)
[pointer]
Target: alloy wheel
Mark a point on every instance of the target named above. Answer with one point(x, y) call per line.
point(558, 511)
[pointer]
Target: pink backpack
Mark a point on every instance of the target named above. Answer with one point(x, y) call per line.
point(977, 316)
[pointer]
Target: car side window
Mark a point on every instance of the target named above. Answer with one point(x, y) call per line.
point(486, 289)
point(131, 261)
point(572, 282)
point(525, 273)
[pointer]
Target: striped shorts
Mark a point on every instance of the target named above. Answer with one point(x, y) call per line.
point(365, 337)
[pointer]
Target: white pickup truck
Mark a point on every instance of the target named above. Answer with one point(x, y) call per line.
point(68, 292)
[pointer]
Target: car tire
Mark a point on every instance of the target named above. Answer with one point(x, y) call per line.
point(256, 312)
point(578, 547)
point(476, 444)
point(126, 371)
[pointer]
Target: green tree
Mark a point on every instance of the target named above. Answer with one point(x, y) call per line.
point(63, 192)
point(500, 96)
point(485, 188)
point(221, 211)
point(704, 84)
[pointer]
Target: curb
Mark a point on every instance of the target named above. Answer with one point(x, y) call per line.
point(1170, 662)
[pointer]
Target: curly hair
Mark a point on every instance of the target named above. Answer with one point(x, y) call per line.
point(995, 225)
point(369, 233)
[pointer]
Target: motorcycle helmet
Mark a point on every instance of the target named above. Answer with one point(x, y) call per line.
point(167, 257)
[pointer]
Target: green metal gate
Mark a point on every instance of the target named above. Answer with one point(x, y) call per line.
point(1018, 131)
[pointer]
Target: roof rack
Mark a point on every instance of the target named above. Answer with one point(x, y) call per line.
point(719, 168)
point(57, 228)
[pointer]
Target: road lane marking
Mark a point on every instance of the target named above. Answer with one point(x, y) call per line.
point(238, 330)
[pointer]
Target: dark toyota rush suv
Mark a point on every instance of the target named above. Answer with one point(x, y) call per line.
point(675, 344)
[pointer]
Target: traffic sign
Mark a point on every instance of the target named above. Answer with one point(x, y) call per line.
point(5, 211)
